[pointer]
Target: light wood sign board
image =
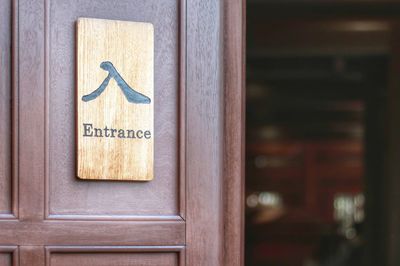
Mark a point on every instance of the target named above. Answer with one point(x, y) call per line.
point(115, 99)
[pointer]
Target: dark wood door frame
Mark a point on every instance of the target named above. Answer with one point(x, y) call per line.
point(234, 129)
point(226, 57)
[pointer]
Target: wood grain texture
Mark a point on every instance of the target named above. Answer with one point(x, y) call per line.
point(32, 256)
point(58, 209)
point(115, 92)
point(46, 90)
point(5, 108)
point(204, 134)
point(8, 255)
point(234, 130)
point(15, 107)
point(106, 259)
point(108, 255)
point(31, 102)
point(92, 233)
point(159, 197)
point(5, 259)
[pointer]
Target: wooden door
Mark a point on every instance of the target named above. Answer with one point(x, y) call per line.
point(191, 213)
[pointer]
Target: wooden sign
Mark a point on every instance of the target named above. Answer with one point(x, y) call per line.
point(115, 99)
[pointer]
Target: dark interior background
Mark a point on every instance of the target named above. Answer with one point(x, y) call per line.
point(322, 148)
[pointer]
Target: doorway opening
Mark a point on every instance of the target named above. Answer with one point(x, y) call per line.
point(318, 79)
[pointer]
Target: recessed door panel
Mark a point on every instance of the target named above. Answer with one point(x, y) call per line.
point(66, 193)
point(5, 259)
point(106, 258)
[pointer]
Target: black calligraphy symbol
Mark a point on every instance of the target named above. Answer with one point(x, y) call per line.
point(131, 95)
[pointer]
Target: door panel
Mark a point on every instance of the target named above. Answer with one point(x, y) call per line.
point(8, 255)
point(5, 108)
point(158, 197)
point(104, 256)
point(106, 259)
point(50, 217)
point(6, 259)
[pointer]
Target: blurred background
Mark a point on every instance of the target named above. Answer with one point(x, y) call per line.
point(323, 129)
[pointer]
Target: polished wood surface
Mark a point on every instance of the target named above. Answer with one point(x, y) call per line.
point(204, 133)
point(135, 256)
point(234, 139)
point(31, 120)
point(93, 200)
point(31, 255)
point(104, 259)
point(115, 133)
point(5, 259)
point(93, 232)
point(176, 219)
point(8, 255)
point(5, 109)
point(52, 202)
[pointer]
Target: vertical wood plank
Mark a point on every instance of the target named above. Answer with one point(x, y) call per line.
point(234, 131)
point(5, 114)
point(182, 108)
point(204, 133)
point(31, 109)
point(15, 113)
